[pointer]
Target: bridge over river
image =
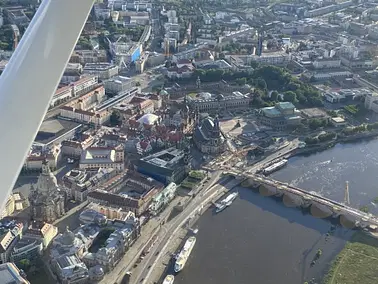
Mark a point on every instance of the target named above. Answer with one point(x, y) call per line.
point(319, 206)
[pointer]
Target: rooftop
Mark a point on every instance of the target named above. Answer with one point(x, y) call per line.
point(285, 105)
point(10, 274)
point(271, 111)
point(98, 66)
point(52, 129)
point(314, 112)
point(165, 159)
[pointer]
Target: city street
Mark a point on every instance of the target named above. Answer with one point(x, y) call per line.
point(151, 229)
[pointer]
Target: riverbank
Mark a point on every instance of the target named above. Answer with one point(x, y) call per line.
point(356, 263)
point(327, 145)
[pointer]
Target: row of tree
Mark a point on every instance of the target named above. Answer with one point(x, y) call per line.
point(266, 78)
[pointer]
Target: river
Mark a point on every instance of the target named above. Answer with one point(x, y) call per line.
point(259, 240)
point(327, 172)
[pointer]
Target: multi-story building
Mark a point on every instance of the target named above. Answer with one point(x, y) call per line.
point(280, 117)
point(211, 103)
point(160, 200)
point(125, 233)
point(10, 233)
point(116, 200)
point(73, 148)
point(69, 243)
point(110, 212)
point(10, 207)
point(84, 116)
point(326, 63)
point(61, 95)
point(88, 56)
point(90, 216)
point(118, 84)
point(10, 273)
point(27, 248)
point(155, 59)
point(95, 158)
point(273, 58)
point(166, 166)
point(41, 231)
point(130, 191)
point(15, 202)
point(70, 269)
point(371, 102)
point(84, 85)
point(75, 89)
point(79, 183)
point(7, 241)
point(17, 17)
point(104, 71)
point(72, 73)
point(35, 159)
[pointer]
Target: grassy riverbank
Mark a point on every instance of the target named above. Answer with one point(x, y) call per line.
point(356, 263)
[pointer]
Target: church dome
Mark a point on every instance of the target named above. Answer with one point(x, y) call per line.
point(68, 238)
point(163, 93)
point(148, 119)
point(99, 271)
point(46, 181)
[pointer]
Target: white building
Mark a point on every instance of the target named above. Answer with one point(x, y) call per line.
point(325, 63)
point(160, 200)
point(118, 84)
point(104, 71)
point(371, 101)
point(274, 58)
point(96, 157)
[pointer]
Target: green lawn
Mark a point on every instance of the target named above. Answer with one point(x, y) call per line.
point(356, 263)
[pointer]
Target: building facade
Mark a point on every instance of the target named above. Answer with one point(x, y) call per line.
point(208, 136)
point(46, 199)
point(279, 117)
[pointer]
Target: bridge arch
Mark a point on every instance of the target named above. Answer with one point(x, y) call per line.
point(348, 221)
point(320, 211)
point(291, 200)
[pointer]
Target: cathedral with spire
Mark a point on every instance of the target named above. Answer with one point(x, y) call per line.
point(46, 199)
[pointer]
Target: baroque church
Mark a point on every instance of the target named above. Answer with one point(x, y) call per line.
point(208, 136)
point(46, 199)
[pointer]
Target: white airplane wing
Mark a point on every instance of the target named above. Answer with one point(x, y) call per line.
point(31, 78)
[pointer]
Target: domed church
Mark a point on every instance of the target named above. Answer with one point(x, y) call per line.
point(46, 199)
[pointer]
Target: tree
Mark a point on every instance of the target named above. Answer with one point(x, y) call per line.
point(290, 96)
point(137, 84)
point(316, 123)
point(261, 83)
point(241, 81)
point(274, 96)
point(24, 264)
point(115, 118)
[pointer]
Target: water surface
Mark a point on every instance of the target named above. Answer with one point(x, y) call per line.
point(259, 240)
